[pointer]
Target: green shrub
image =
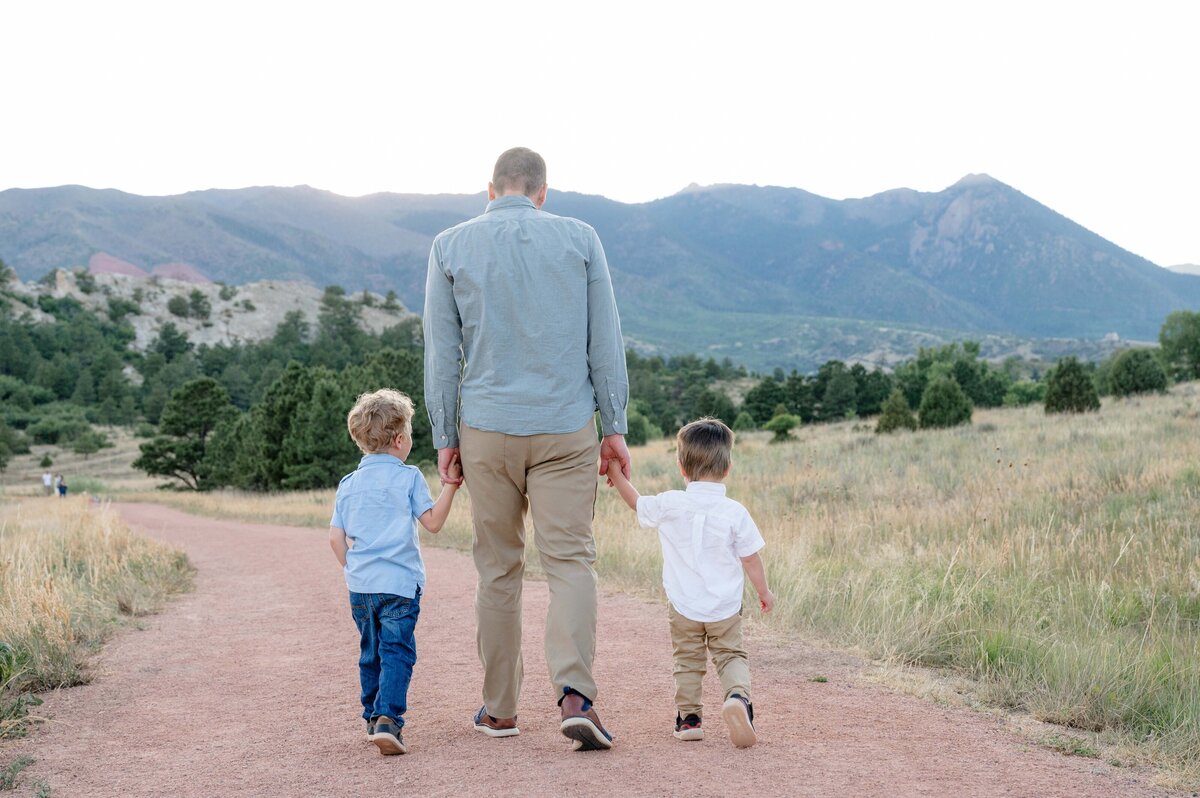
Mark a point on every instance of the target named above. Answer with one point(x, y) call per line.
point(178, 306)
point(89, 443)
point(896, 414)
point(1136, 371)
point(45, 462)
point(1069, 388)
point(58, 429)
point(85, 281)
point(944, 405)
point(198, 305)
point(744, 422)
point(641, 430)
point(227, 292)
point(1025, 392)
point(782, 425)
point(119, 308)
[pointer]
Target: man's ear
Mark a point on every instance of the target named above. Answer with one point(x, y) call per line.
point(540, 199)
point(491, 191)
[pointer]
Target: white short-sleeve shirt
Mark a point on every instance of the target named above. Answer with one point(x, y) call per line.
point(704, 535)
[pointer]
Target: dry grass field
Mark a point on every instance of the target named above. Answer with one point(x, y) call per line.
point(1053, 560)
point(105, 471)
point(70, 573)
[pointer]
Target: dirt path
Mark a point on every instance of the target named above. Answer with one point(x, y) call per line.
point(248, 686)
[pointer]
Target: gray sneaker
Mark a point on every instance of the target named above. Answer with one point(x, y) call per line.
point(387, 737)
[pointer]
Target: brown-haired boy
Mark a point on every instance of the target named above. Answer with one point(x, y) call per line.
point(374, 538)
point(707, 540)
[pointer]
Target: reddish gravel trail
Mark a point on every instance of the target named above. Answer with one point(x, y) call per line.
point(248, 686)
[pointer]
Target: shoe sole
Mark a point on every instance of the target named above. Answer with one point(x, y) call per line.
point(741, 731)
point(490, 732)
point(388, 744)
point(690, 735)
point(585, 734)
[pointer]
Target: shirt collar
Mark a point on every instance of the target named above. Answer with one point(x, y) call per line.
point(711, 488)
point(371, 459)
point(509, 201)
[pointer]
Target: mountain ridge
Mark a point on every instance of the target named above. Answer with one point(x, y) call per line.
point(979, 256)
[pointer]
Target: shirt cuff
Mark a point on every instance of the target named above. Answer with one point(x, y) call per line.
point(612, 398)
point(443, 423)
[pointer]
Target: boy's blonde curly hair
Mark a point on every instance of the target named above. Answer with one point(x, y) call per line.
point(377, 418)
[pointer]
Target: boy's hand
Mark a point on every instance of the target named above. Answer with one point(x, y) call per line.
point(614, 470)
point(766, 602)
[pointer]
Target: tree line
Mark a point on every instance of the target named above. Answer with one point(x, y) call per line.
point(270, 415)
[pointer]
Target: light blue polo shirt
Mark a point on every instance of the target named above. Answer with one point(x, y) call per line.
point(377, 505)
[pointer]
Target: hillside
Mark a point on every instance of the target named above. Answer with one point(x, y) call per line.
point(762, 274)
point(245, 313)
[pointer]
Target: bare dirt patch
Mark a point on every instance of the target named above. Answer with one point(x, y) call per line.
point(248, 686)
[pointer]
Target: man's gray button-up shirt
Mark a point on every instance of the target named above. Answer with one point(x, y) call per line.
point(521, 327)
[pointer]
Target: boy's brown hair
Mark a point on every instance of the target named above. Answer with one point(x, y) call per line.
point(377, 418)
point(705, 448)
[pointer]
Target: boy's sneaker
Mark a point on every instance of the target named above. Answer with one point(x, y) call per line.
point(581, 723)
point(495, 727)
point(387, 737)
point(688, 728)
point(739, 717)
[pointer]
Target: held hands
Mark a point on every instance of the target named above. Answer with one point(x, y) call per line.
point(766, 602)
point(450, 467)
point(613, 448)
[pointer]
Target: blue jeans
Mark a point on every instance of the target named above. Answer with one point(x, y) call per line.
point(387, 651)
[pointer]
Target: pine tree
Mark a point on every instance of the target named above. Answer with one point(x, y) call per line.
point(896, 414)
point(1069, 389)
point(319, 451)
point(1136, 371)
point(944, 405)
point(762, 399)
point(191, 415)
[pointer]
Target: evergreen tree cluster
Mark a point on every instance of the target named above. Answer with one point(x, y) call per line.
point(271, 415)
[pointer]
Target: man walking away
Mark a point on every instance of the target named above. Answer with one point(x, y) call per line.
point(522, 332)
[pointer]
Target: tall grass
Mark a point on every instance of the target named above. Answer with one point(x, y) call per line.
point(69, 574)
point(1056, 560)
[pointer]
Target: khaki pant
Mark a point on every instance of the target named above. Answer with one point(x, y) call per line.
point(555, 477)
point(693, 641)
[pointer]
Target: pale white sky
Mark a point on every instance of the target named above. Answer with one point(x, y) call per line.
point(1088, 107)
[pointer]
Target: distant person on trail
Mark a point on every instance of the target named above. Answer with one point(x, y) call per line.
point(47, 482)
point(60, 484)
point(522, 332)
point(374, 537)
point(707, 539)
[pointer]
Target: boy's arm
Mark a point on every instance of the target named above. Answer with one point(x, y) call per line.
point(337, 542)
point(435, 517)
point(624, 487)
point(758, 577)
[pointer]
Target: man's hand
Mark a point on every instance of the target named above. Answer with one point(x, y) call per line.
point(613, 448)
point(446, 459)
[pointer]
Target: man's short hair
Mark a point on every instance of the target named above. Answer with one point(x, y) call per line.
point(519, 168)
point(705, 448)
point(377, 418)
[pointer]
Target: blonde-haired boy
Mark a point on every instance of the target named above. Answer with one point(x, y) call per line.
point(374, 538)
point(707, 540)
